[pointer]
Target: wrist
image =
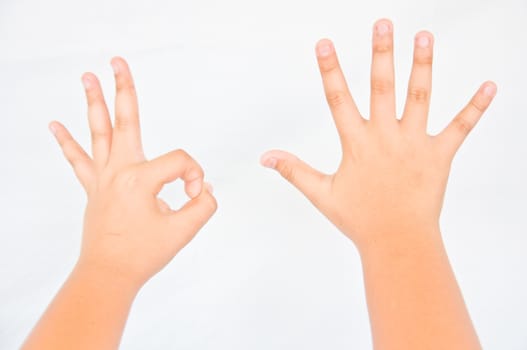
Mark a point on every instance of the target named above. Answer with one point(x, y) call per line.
point(105, 277)
point(397, 242)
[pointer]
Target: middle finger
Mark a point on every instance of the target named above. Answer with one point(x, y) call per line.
point(382, 101)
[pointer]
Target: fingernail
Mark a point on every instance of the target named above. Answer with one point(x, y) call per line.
point(325, 49)
point(489, 90)
point(422, 41)
point(52, 128)
point(86, 81)
point(269, 162)
point(194, 188)
point(115, 67)
point(209, 187)
point(382, 28)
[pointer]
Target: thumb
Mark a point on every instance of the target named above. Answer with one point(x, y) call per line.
point(189, 219)
point(311, 182)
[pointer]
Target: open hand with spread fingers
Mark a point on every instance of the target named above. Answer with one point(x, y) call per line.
point(127, 228)
point(393, 175)
point(387, 194)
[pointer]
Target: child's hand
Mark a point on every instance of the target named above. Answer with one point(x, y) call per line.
point(127, 229)
point(393, 175)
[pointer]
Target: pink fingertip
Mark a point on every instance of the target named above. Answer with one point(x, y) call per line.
point(86, 81)
point(423, 41)
point(490, 90)
point(269, 162)
point(52, 127)
point(115, 65)
point(383, 27)
point(194, 188)
point(324, 48)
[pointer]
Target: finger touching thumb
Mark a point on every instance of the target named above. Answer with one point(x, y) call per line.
point(189, 219)
point(311, 182)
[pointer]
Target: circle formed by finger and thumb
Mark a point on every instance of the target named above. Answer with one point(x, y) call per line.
point(171, 166)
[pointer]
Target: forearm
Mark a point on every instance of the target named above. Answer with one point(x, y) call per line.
point(89, 312)
point(413, 298)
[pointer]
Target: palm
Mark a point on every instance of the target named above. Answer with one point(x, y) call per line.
point(393, 174)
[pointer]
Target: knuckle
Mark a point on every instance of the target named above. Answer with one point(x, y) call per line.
point(418, 94)
point(98, 136)
point(196, 172)
point(328, 64)
point(423, 59)
point(123, 123)
point(336, 98)
point(463, 125)
point(193, 173)
point(287, 171)
point(127, 87)
point(382, 47)
point(477, 105)
point(381, 86)
point(181, 154)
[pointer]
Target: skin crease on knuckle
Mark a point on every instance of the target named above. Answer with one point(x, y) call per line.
point(123, 124)
point(125, 85)
point(381, 86)
point(477, 104)
point(424, 59)
point(194, 172)
point(382, 47)
point(418, 95)
point(99, 136)
point(328, 65)
point(336, 98)
point(286, 170)
point(463, 125)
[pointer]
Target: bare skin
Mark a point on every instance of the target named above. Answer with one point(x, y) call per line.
point(129, 233)
point(387, 195)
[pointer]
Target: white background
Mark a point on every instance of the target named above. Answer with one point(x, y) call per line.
point(227, 80)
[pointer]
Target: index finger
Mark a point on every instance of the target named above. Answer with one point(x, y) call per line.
point(171, 166)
